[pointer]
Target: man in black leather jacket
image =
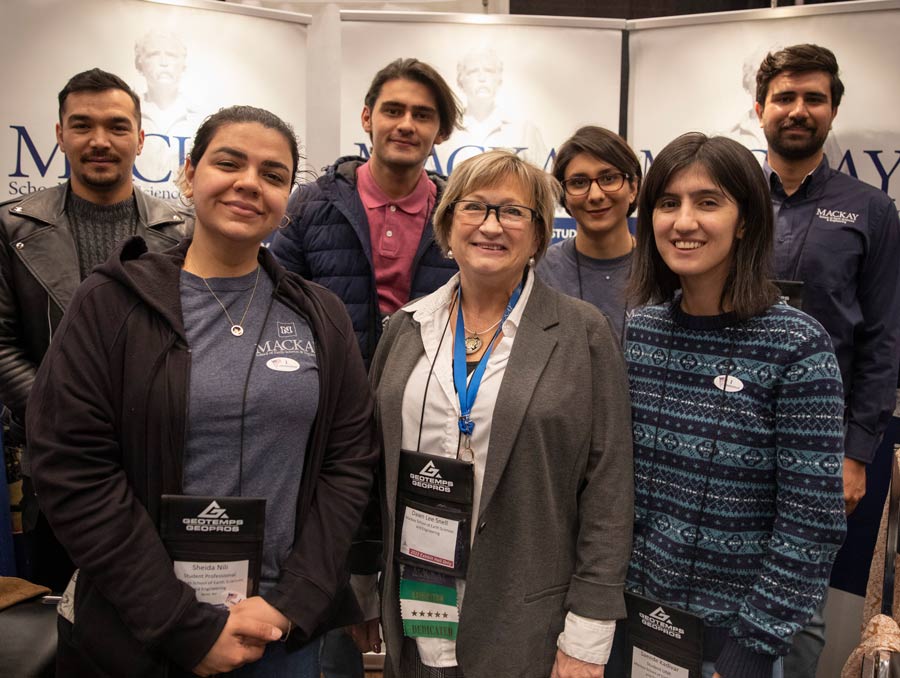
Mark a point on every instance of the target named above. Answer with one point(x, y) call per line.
point(51, 239)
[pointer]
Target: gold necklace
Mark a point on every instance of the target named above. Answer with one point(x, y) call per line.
point(237, 329)
point(473, 339)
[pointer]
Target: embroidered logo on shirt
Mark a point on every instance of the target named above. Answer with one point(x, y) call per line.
point(837, 216)
point(287, 330)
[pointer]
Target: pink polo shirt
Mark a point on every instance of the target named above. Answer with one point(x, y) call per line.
point(395, 229)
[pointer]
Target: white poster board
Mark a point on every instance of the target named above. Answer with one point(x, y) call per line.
point(690, 78)
point(547, 77)
point(214, 54)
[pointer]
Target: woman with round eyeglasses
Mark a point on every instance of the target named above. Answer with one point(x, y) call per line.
point(600, 175)
point(738, 424)
point(507, 451)
point(206, 377)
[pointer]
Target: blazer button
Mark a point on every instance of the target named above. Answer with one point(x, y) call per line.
point(481, 527)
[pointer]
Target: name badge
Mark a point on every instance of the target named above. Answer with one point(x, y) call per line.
point(663, 641)
point(434, 512)
point(215, 544)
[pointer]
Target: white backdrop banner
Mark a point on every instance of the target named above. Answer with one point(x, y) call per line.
point(702, 78)
point(523, 86)
point(185, 62)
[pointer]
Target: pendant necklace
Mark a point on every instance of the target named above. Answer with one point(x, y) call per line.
point(473, 341)
point(237, 328)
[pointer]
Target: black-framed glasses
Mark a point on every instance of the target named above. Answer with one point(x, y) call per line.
point(609, 182)
point(475, 213)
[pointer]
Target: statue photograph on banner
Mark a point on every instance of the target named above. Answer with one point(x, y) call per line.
point(183, 62)
point(513, 97)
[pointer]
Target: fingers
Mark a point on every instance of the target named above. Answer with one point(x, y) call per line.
point(253, 632)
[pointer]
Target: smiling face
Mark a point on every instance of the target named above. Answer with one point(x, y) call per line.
point(596, 211)
point(100, 135)
point(491, 253)
point(403, 124)
point(695, 226)
point(798, 114)
point(240, 186)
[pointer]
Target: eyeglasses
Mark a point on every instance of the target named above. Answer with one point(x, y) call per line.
point(475, 213)
point(608, 183)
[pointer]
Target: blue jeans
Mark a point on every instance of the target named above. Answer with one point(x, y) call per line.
point(777, 669)
point(277, 662)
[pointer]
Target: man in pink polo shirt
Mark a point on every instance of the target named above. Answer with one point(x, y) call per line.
point(363, 229)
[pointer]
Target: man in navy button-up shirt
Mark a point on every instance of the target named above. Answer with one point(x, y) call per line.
point(841, 238)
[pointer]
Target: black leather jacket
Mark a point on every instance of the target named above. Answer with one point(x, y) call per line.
point(39, 274)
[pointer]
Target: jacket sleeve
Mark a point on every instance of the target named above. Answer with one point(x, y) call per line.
point(315, 571)
point(288, 244)
point(809, 523)
point(876, 352)
point(606, 501)
point(83, 489)
point(16, 370)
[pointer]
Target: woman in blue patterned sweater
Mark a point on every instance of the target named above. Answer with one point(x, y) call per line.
point(737, 408)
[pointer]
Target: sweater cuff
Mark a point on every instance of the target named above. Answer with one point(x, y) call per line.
point(737, 661)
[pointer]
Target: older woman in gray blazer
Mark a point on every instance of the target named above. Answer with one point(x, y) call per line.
point(504, 414)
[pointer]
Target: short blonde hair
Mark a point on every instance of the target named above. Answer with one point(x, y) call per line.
point(491, 169)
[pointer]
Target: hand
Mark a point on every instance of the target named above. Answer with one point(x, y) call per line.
point(365, 635)
point(259, 609)
point(569, 667)
point(854, 483)
point(716, 675)
point(243, 640)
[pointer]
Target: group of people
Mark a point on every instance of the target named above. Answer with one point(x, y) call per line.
point(425, 393)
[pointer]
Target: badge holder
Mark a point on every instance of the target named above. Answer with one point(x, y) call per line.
point(215, 544)
point(434, 524)
point(663, 641)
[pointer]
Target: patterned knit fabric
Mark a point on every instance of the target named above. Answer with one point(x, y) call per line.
point(97, 229)
point(739, 507)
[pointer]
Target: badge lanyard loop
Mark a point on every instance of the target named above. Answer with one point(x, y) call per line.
point(467, 393)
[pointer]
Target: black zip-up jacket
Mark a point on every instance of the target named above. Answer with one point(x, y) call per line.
point(106, 430)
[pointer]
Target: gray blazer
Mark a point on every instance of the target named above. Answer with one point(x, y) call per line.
point(554, 529)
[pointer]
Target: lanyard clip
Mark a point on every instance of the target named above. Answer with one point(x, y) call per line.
point(466, 425)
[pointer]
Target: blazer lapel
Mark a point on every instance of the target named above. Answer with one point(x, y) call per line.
point(405, 353)
point(531, 351)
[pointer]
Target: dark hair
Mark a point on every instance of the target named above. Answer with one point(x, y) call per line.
point(736, 171)
point(603, 145)
point(236, 115)
point(449, 108)
point(799, 59)
point(96, 80)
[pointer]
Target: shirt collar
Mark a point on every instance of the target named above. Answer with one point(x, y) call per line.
point(372, 196)
point(810, 183)
point(431, 311)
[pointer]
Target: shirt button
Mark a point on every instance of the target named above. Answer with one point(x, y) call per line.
point(393, 208)
point(390, 234)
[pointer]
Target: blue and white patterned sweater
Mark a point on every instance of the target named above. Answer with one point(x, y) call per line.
point(739, 507)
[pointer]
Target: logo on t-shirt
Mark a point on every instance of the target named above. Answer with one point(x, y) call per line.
point(837, 216)
point(286, 330)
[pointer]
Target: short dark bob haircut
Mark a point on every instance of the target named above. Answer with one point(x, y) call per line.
point(748, 288)
point(799, 59)
point(235, 115)
point(448, 106)
point(97, 80)
point(604, 145)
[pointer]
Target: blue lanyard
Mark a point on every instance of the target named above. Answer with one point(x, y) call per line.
point(467, 393)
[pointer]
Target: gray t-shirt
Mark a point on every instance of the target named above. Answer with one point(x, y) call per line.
point(271, 374)
point(603, 281)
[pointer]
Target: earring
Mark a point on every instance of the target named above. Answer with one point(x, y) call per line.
point(285, 222)
point(531, 262)
point(449, 254)
point(185, 200)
